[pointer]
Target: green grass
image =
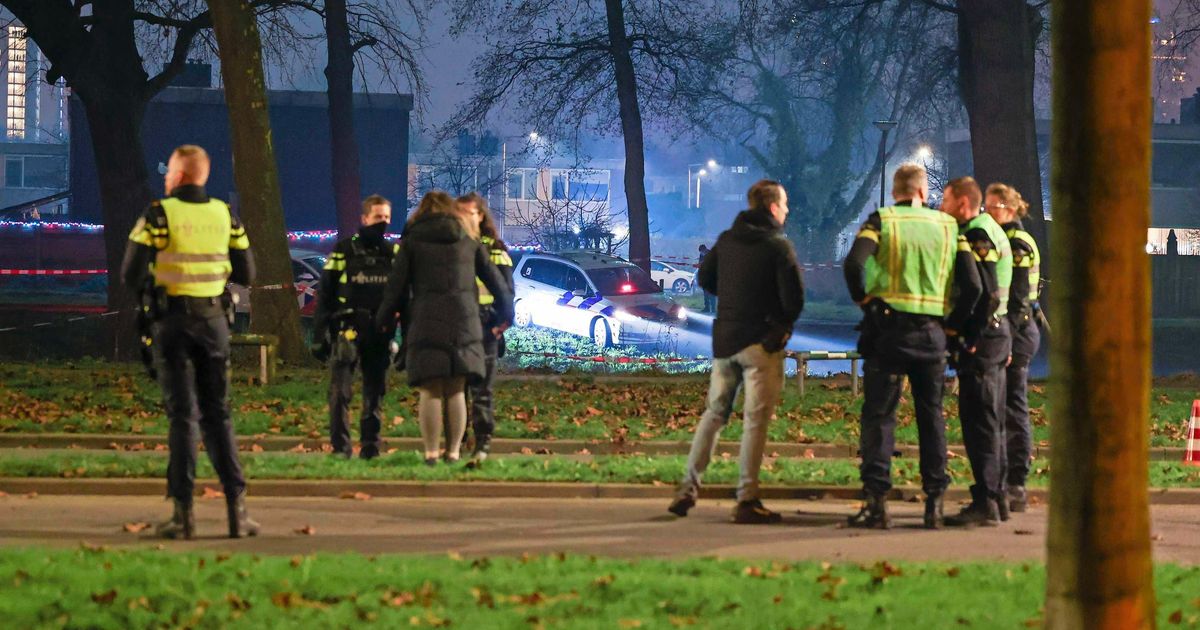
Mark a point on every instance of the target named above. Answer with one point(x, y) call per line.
point(408, 466)
point(101, 588)
point(100, 397)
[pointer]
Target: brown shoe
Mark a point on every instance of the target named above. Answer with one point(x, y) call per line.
point(753, 513)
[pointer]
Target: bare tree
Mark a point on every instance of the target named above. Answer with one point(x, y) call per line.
point(801, 87)
point(596, 65)
point(579, 218)
point(457, 170)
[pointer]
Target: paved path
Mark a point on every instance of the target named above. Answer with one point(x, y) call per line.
point(642, 528)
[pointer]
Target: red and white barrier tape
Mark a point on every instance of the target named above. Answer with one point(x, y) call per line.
point(53, 272)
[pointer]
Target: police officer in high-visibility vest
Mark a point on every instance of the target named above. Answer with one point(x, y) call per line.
point(483, 417)
point(916, 281)
point(1007, 207)
point(191, 246)
point(981, 361)
point(349, 293)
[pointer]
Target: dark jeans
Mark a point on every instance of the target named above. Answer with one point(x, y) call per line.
point(912, 347)
point(374, 355)
point(981, 409)
point(483, 413)
point(1019, 431)
point(710, 302)
point(192, 353)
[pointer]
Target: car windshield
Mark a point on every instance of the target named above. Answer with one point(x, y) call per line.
point(623, 280)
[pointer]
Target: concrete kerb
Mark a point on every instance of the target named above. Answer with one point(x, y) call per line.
point(17, 487)
point(275, 443)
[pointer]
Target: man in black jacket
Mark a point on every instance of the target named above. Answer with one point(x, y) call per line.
point(752, 270)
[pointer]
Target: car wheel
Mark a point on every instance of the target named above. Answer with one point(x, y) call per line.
point(521, 316)
point(601, 334)
point(681, 286)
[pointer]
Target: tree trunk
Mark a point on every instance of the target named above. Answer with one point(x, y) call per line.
point(115, 121)
point(339, 77)
point(273, 298)
point(1098, 545)
point(996, 41)
point(631, 130)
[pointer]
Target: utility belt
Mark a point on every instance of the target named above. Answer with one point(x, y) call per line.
point(347, 334)
point(156, 305)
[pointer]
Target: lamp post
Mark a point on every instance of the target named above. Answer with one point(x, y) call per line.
point(886, 126)
point(532, 137)
point(705, 168)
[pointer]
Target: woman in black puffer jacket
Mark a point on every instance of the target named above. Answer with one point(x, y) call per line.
point(432, 284)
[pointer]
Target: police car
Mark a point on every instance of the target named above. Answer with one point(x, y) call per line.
point(671, 278)
point(593, 295)
point(306, 275)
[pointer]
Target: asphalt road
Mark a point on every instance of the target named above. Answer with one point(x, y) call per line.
point(474, 527)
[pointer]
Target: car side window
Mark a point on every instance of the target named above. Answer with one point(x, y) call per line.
point(657, 266)
point(546, 272)
point(574, 281)
point(299, 271)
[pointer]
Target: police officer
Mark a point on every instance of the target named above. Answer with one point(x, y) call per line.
point(188, 245)
point(483, 417)
point(350, 291)
point(981, 360)
point(1007, 207)
point(916, 280)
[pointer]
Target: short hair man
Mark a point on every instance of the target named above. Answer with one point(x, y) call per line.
point(348, 295)
point(903, 269)
point(752, 269)
point(195, 246)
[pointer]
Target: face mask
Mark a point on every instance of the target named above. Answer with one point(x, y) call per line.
point(374, 232)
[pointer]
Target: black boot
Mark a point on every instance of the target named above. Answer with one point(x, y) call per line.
point(240, 523)
point(483, 446)
point(1018, 499)
point(979, 513)
point(181, 525)
point(1002, 507)
point(934, 514)
point(873, 515)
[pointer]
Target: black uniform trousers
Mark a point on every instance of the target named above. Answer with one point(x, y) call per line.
point(192, 354)
point(981, 395)
point(912, 346)
point(1018, 430)
point(373, 358)
point(483, 412)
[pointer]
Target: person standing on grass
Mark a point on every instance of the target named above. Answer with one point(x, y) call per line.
point(907, 269)
point(433, 284)
point(483, 418)
point(188, 246)
point(753, 271)
point(349, 293)
point(710, 300)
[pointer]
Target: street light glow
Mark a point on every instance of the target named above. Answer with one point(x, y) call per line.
point(702, 173)
point(924, 152)
point(533, 136)
point(712, 164)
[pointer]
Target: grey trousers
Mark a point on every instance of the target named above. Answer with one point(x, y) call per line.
point(760, 374)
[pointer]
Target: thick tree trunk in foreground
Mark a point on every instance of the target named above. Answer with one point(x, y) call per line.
point(996, 40)
point(339, 79)
point(273, 298)
point(631, 131)
point(1098, 547)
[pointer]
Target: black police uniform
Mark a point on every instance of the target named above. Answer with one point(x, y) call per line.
point(483, 415)
point(191, 340)
point(350, 291)
point(1026, 337)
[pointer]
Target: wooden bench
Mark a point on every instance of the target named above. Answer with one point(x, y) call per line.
point(267, 345)
point(804, 356)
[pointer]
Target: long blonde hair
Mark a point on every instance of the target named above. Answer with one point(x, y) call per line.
point(440, 202)
point(1010, 197)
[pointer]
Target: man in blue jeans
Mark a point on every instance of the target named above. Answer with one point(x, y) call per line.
point(753, 271)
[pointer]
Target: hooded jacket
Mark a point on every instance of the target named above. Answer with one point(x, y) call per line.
point(432, 284)
point(753, 271)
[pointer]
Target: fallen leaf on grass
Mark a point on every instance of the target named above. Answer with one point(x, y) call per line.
point(134, 528)
point(106, 597)
point(1176, 617)
point(592, 411)
point(307, 530)
point(255, 448)
point(397, 421)
point(630, 623)
point(236, 602)
point(583, 451)
point(525, 450)
point(212, 493)
point(357, 496)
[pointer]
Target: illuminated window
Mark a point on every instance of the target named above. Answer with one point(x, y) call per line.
point(16, 82)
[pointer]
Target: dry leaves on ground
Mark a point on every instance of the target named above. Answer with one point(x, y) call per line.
point(134, 528)
point(307, 530)
point(212, 493)
point(357, 496)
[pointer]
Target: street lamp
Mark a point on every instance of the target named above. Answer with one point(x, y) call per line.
point(532, 137)
point(924, 152)
point(886, 126)
point(704, 167)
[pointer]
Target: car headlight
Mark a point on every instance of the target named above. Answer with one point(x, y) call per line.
point(625, 315)
point(681, 314)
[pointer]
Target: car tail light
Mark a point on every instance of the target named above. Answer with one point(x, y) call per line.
point(627, 288)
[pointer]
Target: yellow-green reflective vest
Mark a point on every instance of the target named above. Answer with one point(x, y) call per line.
point(913, 268)
point(1032, 261)
point(500, 258)
point(195, 261)
point(1001, 254)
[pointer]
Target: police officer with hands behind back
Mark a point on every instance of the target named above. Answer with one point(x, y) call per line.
point(189, 246)
point(350, 292)
point(916, 281)
point(981, 359)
